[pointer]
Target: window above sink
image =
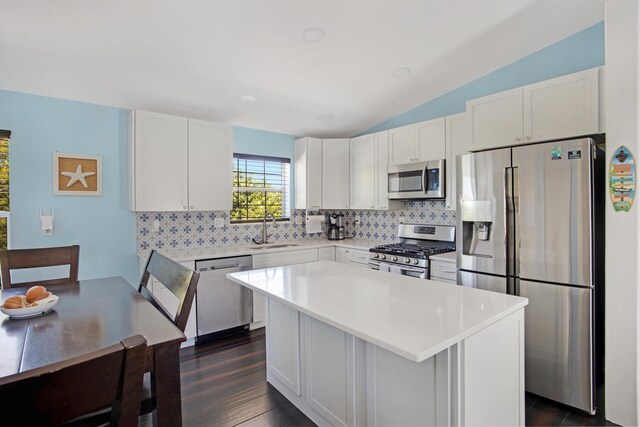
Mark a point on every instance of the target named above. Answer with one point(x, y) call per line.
point(260, 186)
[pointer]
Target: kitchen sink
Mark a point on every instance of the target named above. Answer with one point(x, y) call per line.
point(273, 246)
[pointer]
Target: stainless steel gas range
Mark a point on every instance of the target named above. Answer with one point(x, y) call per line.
point(410, 257)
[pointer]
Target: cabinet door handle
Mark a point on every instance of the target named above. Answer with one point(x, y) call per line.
point(448, 271)
point(517, 139)
point(528, 138)
point(191, 207)
point(184, 207)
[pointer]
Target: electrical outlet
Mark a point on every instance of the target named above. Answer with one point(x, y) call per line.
point(218, 222)
point(155, 226)
point(401, 219)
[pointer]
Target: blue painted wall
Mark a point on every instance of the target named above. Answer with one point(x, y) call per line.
point(102, 226)
point(263, 143)
point(578, 52)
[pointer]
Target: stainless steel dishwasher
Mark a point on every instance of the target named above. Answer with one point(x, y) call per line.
point(222, 306)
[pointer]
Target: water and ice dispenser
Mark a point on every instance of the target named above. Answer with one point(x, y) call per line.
point(477, 228)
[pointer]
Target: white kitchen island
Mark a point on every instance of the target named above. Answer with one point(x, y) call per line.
point(350, 346)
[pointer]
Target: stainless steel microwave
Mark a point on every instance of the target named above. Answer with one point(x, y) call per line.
point(420, 180)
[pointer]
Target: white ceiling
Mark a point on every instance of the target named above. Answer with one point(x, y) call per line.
point(196, 58)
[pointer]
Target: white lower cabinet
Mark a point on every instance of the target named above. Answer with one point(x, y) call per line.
point(337, 379)
point(356, 257)
point(329, 371)
point(276, 259)
point(283, 354)
point(327, 254)
point(390, 376)
point(443, 271)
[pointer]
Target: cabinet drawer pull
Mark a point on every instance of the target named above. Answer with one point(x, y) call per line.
point(448, 271)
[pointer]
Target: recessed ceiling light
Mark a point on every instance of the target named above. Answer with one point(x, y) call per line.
point(400, 72)
point(326, 116)
point(313, 35)
point(247, 99)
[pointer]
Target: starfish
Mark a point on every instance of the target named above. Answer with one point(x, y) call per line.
point(76, 176)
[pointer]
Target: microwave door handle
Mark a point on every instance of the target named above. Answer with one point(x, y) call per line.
point(425, 173)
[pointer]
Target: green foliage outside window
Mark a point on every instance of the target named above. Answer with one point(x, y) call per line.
point(260, 187)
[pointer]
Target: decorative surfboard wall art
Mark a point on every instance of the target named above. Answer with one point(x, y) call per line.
point(622, 179)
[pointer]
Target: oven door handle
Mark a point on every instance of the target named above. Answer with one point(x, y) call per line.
point(415, 270)
point(404, 268)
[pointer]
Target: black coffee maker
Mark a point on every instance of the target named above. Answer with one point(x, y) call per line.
point(336, 227)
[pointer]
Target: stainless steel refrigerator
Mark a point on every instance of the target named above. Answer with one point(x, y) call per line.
point(531, 223)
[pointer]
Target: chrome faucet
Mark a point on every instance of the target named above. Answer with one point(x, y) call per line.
point(265, 236)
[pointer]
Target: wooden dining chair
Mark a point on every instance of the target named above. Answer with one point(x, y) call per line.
point(17, 259)
point(180, 280)
point(65, 391)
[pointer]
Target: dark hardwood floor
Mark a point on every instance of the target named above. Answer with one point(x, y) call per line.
point(545, 412)
point(224, 383)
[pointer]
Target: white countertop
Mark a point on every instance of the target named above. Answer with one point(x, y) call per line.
point(411, 317)
point(252, 249)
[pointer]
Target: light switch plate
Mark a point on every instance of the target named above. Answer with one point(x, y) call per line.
point(218, 222)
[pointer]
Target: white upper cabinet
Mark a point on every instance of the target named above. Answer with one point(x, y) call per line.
point(210, 163)
point(381, 200)
point(402, 145)
point(417, 142)
point(158, 157)
point(335, 173)
point(307, 153)
point(177, 164)
point(495, 120)
point(563, 107)
point(457, 143)
point(363, 172)
point(369, 162)
point(430, 140)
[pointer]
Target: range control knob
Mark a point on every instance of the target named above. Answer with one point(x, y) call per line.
point(415, 261)
point(376, 256)
point(383, 256)
point(395, 258)
point(407, 261)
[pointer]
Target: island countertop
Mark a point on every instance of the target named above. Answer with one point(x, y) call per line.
point(411, 317)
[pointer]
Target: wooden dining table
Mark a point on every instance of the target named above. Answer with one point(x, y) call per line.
point(91, 315)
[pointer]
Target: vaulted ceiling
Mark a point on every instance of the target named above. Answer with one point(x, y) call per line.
point(197, 58)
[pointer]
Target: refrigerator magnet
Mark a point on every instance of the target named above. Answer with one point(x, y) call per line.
point(556, 152)
point(622, 179)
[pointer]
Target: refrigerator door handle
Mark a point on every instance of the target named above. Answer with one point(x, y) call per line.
point(509, 220)
point(516, 221)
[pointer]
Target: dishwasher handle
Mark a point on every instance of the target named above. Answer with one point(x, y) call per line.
point(219, 267)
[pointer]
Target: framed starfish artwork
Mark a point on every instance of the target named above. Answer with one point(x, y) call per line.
point(77, 175)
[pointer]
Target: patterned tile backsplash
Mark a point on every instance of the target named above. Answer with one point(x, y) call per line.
point(185, 230)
